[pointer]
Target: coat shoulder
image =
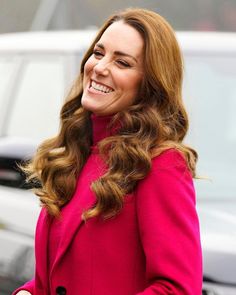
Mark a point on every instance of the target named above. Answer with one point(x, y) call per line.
point(169, 158)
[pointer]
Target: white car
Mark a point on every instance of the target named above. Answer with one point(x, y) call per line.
point(37, 69)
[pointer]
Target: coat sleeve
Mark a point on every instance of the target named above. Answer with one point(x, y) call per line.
point(29, 286)
point(169, 228)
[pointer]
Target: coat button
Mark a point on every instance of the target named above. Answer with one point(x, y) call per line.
point(60, 290)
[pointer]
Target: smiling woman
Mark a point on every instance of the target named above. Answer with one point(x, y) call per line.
point(114, 71)
point(116, 186)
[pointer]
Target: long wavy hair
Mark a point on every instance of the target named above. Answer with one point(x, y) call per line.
point(155, 122)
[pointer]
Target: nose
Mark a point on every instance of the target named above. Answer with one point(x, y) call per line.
point(101, 68)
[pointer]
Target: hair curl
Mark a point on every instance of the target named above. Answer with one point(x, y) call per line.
point(155, 122)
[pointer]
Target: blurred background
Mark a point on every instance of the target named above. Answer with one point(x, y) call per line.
point(25, 15)
point(37, 68)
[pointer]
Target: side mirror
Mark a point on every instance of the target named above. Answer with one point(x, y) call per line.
point(14, 151)
point(10, 174)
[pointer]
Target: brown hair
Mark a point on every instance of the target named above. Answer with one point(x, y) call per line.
point(155, 122)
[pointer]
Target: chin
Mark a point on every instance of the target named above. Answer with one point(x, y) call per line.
point(90, 107)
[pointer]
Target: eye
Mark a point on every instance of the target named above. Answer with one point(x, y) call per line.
point(123, 63)
point(97, 53)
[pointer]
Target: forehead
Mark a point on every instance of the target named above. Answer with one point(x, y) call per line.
point(120, 36)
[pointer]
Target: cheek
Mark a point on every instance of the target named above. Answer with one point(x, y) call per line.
point(130, 81)
point(88, 67)
point(130, 89)
point(132, 84)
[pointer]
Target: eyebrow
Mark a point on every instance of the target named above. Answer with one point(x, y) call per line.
point(120, 53)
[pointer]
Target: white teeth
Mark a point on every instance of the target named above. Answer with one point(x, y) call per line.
point(100, 87)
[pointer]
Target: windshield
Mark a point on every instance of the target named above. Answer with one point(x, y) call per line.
point(210, 94)
point(31, 95)
point(7, 70)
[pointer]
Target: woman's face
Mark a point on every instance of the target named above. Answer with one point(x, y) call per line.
point(113, 73)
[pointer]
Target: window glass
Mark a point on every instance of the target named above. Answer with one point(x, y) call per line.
point(210, 94)
point(7, 66)
point(36, 108)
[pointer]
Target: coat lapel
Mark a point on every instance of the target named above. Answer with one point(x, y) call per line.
point(82, 200)
point(71, 225)
point(72, 218)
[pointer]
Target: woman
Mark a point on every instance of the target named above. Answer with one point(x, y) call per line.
point(116, 186)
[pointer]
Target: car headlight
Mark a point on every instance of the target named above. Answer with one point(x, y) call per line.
point(218, 289)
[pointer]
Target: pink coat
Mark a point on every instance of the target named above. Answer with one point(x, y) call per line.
point(151, 247)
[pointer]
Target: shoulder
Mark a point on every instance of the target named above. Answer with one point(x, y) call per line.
point(168, 179)
point(168, 168)
point(169, 158)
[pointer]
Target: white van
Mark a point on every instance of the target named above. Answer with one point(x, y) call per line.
point(36, 70)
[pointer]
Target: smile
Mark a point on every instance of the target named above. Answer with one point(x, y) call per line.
point(100, 87)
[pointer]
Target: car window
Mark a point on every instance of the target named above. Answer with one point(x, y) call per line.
point(38, 99)
point(6, 70)
point(7, 67)
point(210, 95)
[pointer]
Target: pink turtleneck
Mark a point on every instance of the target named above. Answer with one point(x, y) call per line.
point(99, 125)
